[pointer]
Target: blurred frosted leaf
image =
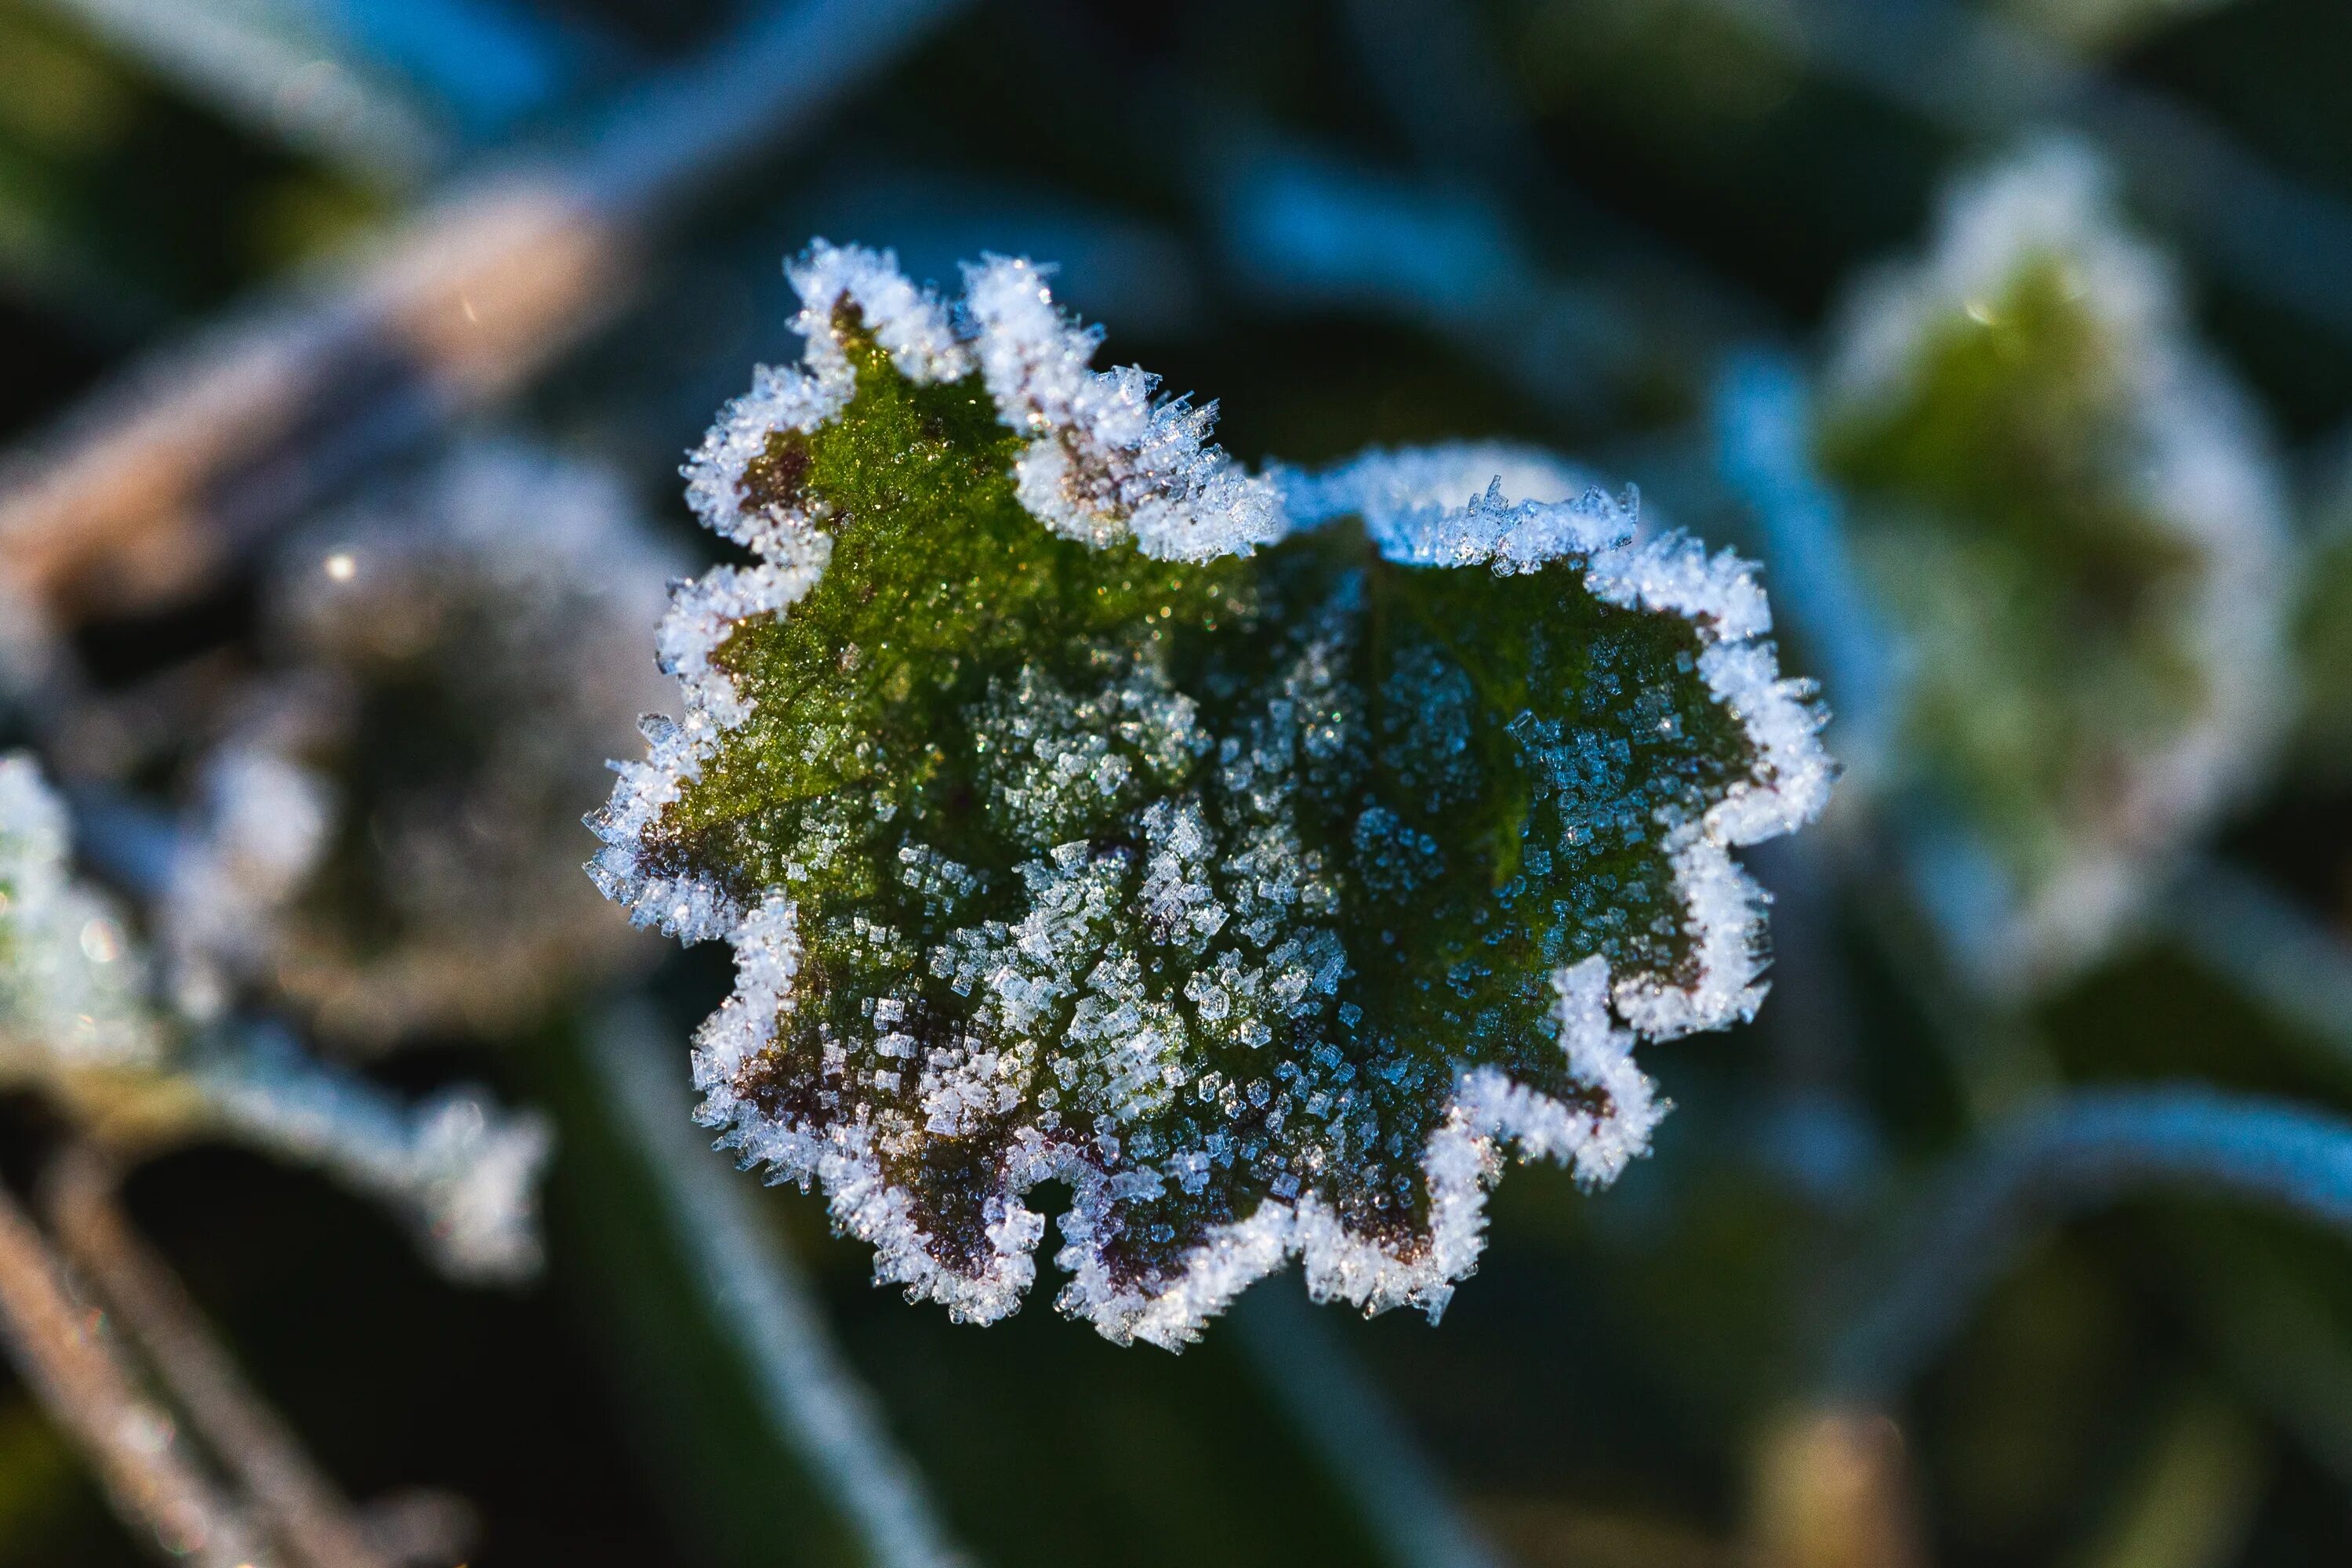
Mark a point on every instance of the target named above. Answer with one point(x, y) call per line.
point(389, 834)
point(77, 1024)
point(2071, 516)
point(1263, 899)
point(262, 822)
point(72, 988)
point(463, 1171)
point(30, 665)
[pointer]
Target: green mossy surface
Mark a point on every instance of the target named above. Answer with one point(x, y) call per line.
point(1456, 782)
point(938, 580)
point(2002, 513)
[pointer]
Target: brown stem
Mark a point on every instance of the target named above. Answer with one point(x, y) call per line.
point(1833, 1489)
point(59, 1347)
point(145, 488)
point(298, 1503)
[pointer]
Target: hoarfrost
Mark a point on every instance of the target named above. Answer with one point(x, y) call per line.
point(1248, 897)
point(1384, 485)
point(1106, 459)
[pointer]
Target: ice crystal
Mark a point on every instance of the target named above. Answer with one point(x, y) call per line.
point(1416, 487)
point(385, 835)
point(1071, 823)
point(2071, 518)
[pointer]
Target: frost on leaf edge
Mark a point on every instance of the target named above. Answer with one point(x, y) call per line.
point(1404, 498)
point(1104, 461)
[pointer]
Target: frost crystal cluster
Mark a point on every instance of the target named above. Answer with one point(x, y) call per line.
point(388, 832)
point(2070, 513)
point(1259, 857)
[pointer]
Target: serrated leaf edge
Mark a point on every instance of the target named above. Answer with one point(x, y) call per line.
point(1034, 365)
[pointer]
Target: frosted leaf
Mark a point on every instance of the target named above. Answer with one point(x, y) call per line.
point(78, 1026)
point(386, 834)
point(2072, 517)
point(72, 986)
point(1101, 457)
point(1263, 900)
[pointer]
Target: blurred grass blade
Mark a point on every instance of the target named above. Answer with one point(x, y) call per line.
point(259, 64)
point(762, 1303)
point(1763, 430)
point(2253, 937)
point(1340, 1417)
point(2086, 1148)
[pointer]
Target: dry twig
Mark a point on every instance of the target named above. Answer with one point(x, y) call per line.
point(296, 1502)
point(60, 1349)
point(150, 484)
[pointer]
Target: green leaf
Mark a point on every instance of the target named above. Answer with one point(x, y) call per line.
point(1071, 823)
point(2072, 520)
